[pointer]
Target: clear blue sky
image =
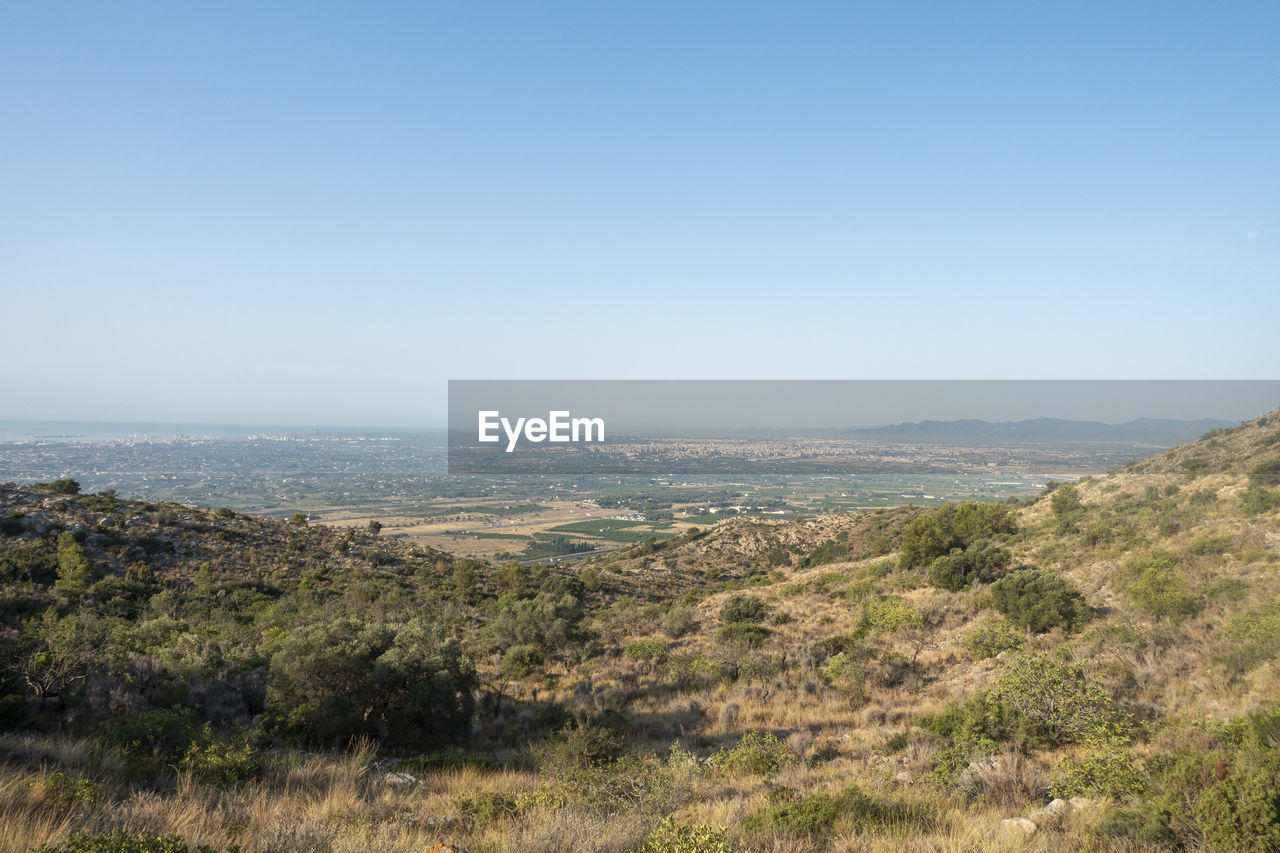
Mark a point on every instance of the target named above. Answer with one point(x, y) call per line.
point(319, 212)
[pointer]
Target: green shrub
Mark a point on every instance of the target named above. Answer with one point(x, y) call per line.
point(1256, 500)
point(155, 738)
point(1266, 473)
point(887, 614)
point(815, 817)
point(679, 621)
point(1097, 773)
point(843, 667)
point(521, 661)
point(647, 648)
point(932, 535)
point(1065, 501)
point(1211, 545)
point(68, 791)
point(488, 806)
point(1241, 810)
point(756, 754)
point(962, 568)
point(119, 841)
point(1038, 600)
point(672, 837)
point(65, 486)
point(1051, 702)
point(218, 763)
point(1252, 637)
point(404, 685)
point(748, 633)
point(1163, 592)
point(992, 637)
point(744, 608)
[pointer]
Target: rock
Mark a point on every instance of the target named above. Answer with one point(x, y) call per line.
point(400, 779)
point(1018, 825)
point(1052, 813)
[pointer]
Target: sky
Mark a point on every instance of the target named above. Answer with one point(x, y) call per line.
point(319, 213)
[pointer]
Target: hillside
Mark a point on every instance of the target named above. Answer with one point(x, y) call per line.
point(1095, 669)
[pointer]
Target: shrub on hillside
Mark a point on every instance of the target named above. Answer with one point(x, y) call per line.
point(1266, 473)
point(887, 614)
point(1038, 600)
point(933, 535)
point(119, 841)
point(521, 661)
point(1065, 501)
point(672, 837)
point(1256, 500)
point(403, 685)
point(1163, 592)
point(744, 608)
point(962, 568)
point(756, 754)
point(748, 633)
point(992, 637)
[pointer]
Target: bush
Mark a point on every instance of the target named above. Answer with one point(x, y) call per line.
point(521, 661)
point(1164, 592)
point(815, 817)
point(1241, 812)
point(1038, 600)
point(1065, 501)
point(679, 621)
point(962, 568)
point(748, 633)
point(887, 614)
point(154, 738)
point(927, 537)
point(744, 608)
point(68, 791)
point(1256, 500)
point(403, 685)
point(1050, 702)
point(218, 763)
point(119, 841)
point(1211, 545)
point(672, 837)
point(1266, 474)
point(991, 638)
point(1097, 773)
point(756, 754)
point(648, 648)
point(64, 486)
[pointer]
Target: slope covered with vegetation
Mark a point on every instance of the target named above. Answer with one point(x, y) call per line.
point(1095, 669)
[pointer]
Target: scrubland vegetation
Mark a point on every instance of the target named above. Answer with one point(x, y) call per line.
point(1092, 670)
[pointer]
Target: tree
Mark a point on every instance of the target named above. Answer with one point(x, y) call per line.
point(298, 519)
point(375, 526)
point(75, 572)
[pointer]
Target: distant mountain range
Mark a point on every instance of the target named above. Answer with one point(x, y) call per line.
point(1157, 431)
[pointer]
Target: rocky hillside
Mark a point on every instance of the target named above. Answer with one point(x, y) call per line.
point(1095, 669)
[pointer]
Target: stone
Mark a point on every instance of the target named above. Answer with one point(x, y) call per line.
point(1018, 825)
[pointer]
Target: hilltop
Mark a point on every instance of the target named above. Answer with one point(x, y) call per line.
point(1092, 669)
